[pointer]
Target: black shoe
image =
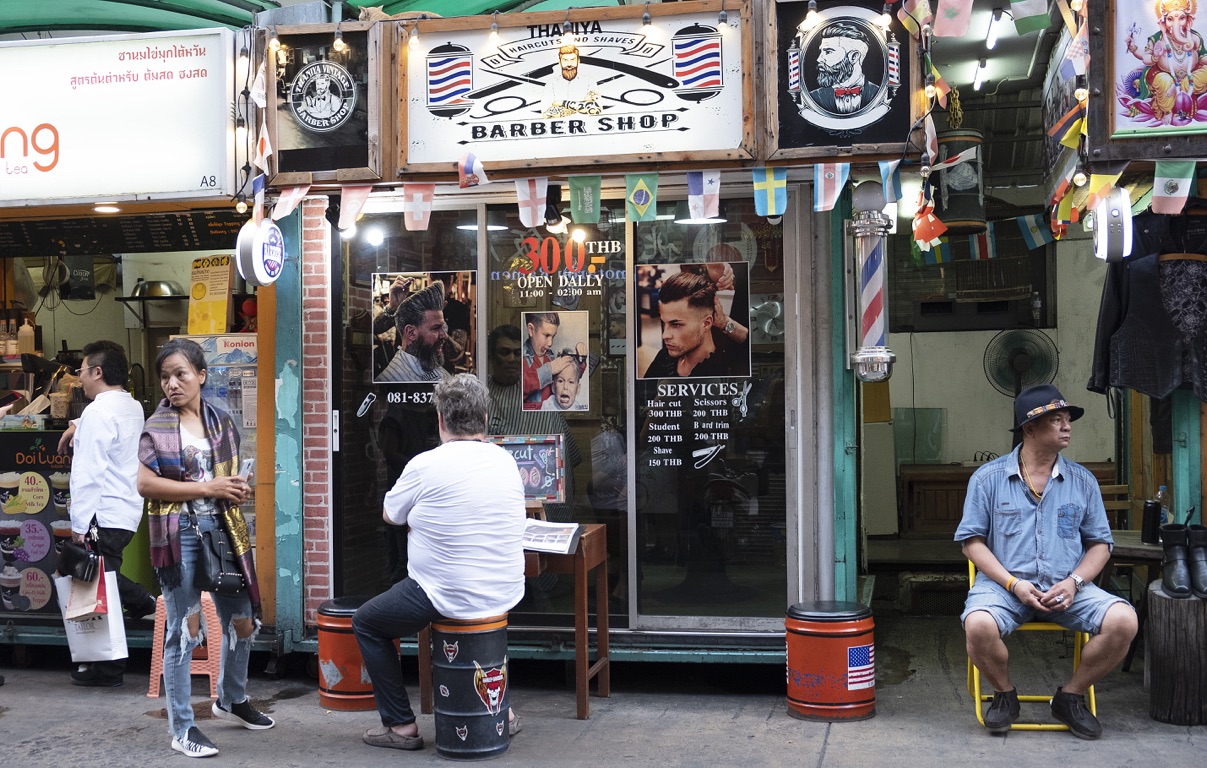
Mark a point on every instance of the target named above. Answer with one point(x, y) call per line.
point(245, 715)
point(1070, 709)
point(87, 677)
point(1003, 711)
point(1197, 543)
point(1175, 570)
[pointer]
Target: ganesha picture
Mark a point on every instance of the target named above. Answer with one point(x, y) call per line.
point(1164, 86)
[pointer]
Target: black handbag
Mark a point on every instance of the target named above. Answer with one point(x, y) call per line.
point(80, 561)
point(217, 569)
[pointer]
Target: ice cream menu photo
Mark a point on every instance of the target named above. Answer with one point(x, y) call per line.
point(35, 497)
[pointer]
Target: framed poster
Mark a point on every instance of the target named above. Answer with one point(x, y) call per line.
point(424, 326)
point(619, 92)
point(694, 320)
point(1147, 81)
point(542, 463)
point(325, 106)
point(841, 80)
point(556, 373)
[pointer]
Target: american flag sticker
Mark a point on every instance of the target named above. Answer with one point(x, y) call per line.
point(861, 667)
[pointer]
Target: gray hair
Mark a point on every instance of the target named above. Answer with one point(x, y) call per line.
point(412, 308)
point(463, 402)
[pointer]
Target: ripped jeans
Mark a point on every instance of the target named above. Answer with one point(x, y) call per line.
point(183, 602)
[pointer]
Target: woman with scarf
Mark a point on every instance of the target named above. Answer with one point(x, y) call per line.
point(189, 454)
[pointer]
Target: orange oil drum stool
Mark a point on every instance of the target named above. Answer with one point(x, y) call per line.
point(344, 684)
point(831, 661)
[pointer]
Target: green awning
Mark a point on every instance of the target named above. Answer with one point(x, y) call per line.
point(32, 16)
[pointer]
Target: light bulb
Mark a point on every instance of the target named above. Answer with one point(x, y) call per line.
point(1075, 5)
point(494, 27)
point(646, 21)
point(722, 16)
point(339, 46)
point(241, 203)
point(930, 87)
point(375, 237)
point(811, 16)
point(579, 235)
point(886, 17)
point(243, 55)
point(1079, 178)
point(995, 21)
point(240, 130)
point(414, 41)
point(274, 42)
point(1081, 94)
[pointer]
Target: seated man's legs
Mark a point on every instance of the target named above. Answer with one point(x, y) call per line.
point(1113, 624)
point(987, 650)
point(401, 611)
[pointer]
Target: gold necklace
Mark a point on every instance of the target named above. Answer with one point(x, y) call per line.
point(1027, 476)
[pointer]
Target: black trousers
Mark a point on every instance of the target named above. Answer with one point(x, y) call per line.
point(112, 543)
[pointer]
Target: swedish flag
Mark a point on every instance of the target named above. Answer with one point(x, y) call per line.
point(770, 191)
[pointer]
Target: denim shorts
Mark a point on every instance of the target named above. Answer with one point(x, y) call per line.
point(1084, 615)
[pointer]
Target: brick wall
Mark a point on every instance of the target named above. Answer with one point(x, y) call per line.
point(316, 406)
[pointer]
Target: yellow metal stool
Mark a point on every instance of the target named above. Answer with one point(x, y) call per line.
point(974, 674)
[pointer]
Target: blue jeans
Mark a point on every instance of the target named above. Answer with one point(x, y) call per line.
point(185, 601)
point(400, 611)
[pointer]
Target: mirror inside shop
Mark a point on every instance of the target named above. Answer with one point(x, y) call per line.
point(688, 477)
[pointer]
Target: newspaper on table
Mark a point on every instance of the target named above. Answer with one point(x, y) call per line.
point(556, 538)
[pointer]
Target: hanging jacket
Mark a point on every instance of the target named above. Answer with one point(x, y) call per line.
point(1151, 331)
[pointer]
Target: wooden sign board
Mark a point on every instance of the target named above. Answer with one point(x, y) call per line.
point(619, 94)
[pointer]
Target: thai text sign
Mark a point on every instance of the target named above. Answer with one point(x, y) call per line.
point(104, 118)
point(617, 88)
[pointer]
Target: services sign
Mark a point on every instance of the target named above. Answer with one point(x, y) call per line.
point(114, 118)
point(618, 89)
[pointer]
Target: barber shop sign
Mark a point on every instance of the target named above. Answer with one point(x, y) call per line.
point(843, 75)
point(533, 92)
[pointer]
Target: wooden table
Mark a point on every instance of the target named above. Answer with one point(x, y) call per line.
point(590, 555)
point(1129, 549)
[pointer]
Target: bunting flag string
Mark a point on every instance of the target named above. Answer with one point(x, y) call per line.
point(828, 182)
point(1101, 184)
point(952, 18)
point(703, 194)
point(890, 179)
point(417, 206)
point(913, 14)
point(530, 196)
point(263, 146)
point(942, 89)
point(1171, 185)
point(470, 172)
point(288, 201)
point(352, 200)
point(983, 245)
point(927, 227)
point(641, 196)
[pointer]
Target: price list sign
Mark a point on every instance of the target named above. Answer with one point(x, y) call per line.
point(689, 424)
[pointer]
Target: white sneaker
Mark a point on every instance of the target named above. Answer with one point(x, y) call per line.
point(195, 744)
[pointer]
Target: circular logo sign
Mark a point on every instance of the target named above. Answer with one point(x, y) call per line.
point(261, 250)
point(322, 96)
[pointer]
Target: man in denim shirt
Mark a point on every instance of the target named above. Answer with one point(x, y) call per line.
point(1035, 527)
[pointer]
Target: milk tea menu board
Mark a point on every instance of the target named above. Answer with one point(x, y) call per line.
point(152, 233)
point(34, 499)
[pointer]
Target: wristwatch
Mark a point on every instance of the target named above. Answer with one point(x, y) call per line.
point(729, 327)
point(1078, 581)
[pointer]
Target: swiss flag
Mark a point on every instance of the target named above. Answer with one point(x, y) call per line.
point(417, 206)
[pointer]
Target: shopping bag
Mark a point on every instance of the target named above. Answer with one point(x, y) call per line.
point(87, 599)
point(102, 638)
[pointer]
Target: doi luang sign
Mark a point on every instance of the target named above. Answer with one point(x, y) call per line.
point(614, 91)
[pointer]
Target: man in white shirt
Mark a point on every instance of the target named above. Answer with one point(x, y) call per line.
point(464, 504)
point(104, 469)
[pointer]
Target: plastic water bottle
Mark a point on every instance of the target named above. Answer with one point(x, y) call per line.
point(1163, 500)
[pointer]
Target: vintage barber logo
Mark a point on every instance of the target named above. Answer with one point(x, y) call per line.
point(322, 96)
point(844, 70)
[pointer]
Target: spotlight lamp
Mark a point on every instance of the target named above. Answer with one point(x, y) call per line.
point(886, 16)
point(494, 26)
point(338, 45)
point(995, 23)
point(811, 16)
point(646, 21)
point(722, 16)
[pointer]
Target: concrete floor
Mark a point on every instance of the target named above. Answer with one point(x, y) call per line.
point(658, 715)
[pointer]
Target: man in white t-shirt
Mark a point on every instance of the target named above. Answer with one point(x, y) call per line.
point(463, 502)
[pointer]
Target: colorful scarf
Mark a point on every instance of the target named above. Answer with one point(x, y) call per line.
point(160, 450)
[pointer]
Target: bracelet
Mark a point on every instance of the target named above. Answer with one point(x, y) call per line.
point(1010, 584)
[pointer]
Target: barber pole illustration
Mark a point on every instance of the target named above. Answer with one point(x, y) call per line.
point(871, 291)
point(450, 79)
point(794, 68)
point(697, 62)
point(894, 64)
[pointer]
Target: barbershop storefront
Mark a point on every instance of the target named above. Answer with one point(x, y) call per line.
point(700, 435)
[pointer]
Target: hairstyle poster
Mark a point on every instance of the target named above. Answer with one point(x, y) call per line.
point(424, 326)
point(557, 366)
point(693, 320)
point(843, 78)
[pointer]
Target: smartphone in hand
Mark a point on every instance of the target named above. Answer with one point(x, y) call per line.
point(246, 468)
point(11, 397)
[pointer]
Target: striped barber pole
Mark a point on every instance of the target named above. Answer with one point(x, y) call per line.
point(871, 291)
point(450, 78)
point(697, 62)
point(794, 68)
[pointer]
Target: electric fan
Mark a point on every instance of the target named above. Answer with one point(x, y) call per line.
point(1017, 359)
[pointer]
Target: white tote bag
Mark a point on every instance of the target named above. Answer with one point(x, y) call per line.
point(102, 638)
